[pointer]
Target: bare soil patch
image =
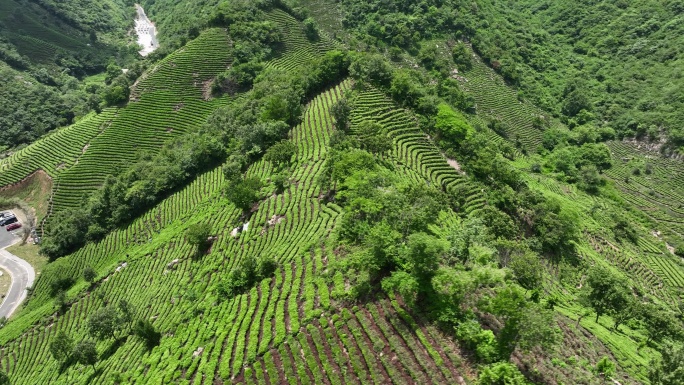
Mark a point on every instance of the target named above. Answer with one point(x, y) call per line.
point(454, 164)
point(206, 89)
point(34, 191)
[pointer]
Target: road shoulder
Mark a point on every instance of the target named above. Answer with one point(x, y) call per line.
point(23, 276)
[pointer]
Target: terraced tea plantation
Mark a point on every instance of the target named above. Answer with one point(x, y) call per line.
point(300, 277)
point(287, 328)
point(166, 102)
point(495, 100)
point(288, 322)
point(39, 35)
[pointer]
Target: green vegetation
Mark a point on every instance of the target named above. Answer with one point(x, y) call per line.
point(283, 195)
point(5, 281)
point(669, 369)
point(198, 236)
point(597, 76)
point(46, 49)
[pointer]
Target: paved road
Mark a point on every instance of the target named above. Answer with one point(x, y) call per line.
point(23, 276)
point(8, 238)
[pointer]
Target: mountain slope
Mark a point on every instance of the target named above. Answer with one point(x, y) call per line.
point(268, 207)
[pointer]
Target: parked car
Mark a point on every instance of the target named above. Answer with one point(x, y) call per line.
point(13, 226)
point(8, 220)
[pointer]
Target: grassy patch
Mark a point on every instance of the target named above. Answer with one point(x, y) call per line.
point(30, 254)
point(5, 282)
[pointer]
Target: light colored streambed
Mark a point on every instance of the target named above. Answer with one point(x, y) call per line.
point(146, 31)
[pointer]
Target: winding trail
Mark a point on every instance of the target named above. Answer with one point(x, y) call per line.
point(22, 275)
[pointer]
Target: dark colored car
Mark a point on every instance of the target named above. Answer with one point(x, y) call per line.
point(8, 220)
point(13, 226)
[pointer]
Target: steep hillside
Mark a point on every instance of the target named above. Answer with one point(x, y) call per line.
point(347, 192)
point(294, 307)
point(46, 49)
point(613, 64)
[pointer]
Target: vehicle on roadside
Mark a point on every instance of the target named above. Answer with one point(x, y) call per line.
point(8, 220)
point(13, 226)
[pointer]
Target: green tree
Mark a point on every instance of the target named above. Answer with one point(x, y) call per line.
point(428, 55)
point(343, 164)
point(281, 182)
point(404, 284)
point(242, 75)
point(115, 94)
point(281, 153)
point(330, 69)
point(585, 134)
point(4, 378)
point(89, 274)
point(625, 308)
point(279, 95)
point(421, 258)
point(660, 323)
point(526, 324)
point(126, 312)
point(266, 266)
point(371, 68)
point(198, 236)
point(405, 89)
point(482, 341)
point(61, 347)
point(373, 137)
point(554, 136)
point(104, 323)
point(669, 369)
point(310, 28)
point(452, 125)
point(624, 230)
point(564, 160)
point(575, 98)
point(499, 224)
point(61, 301)
point(113, 71)
point(85, 353)
point(607, 293)
point(527, 269)
point(244, 193)
point(462, 57)
point(232, 170)
point(597, 154)
point(590, 180)
point(246, 274)
point(340, 112)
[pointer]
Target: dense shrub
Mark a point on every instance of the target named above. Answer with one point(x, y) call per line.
point(250, 271)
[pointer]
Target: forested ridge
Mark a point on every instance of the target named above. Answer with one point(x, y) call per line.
point(618, 61)
point(318, 191)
